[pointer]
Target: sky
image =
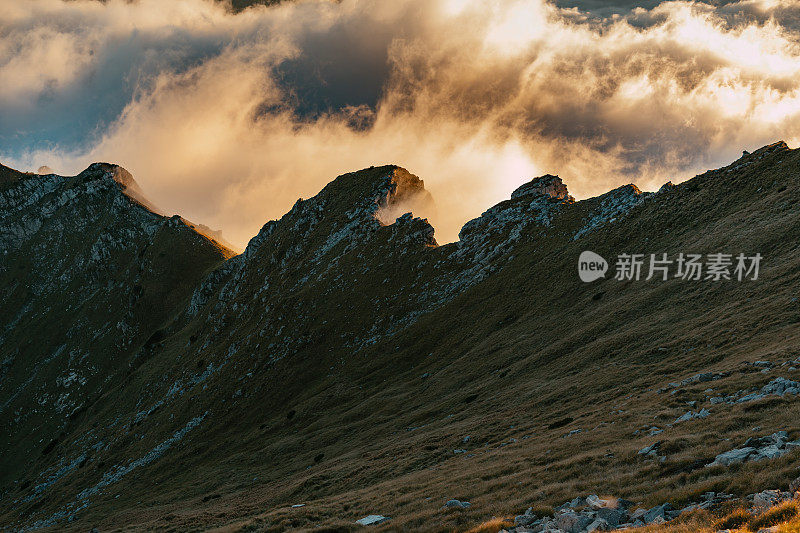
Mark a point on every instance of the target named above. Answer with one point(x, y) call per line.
point(227, 118)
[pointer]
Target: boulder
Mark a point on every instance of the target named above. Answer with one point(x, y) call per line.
point(595, 502)
point(733, 457)
point(456, 504)
point(658, 514)
point(570, 522)
point(599, 525)
point(612, 517)
point(650, 450)
point(524, 520)
point(769, 498)
point(702, 413)
point(372, 520)
point(638, 514)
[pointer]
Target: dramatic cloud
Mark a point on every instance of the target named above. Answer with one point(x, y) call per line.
point(228, 118)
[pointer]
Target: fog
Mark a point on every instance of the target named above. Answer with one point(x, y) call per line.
point(228, 118)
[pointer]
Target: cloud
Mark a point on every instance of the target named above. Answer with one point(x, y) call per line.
point(228, 118)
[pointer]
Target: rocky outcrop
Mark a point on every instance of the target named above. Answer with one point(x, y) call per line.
point(590, 513)
point(547, 185)
point(757, 449)
point(88, 276)
point(611, 206)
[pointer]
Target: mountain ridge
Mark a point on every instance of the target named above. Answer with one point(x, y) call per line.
point(350, 359)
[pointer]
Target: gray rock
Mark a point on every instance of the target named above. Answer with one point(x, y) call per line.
point(570, 522)
point(595, 502)
point(612, 517)
point(769, 498)
point(650, 450)
point(524, 520)
point(638, 514)
point(703, 413)
point(456, 504)
point(623, 504)
point(733, 457)
point(577, 502)
point(659, 511)
point(599, 525)
point(771, 452)
point(372, 520)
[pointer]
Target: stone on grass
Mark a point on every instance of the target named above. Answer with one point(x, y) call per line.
point(372, 520)
point(456, 504)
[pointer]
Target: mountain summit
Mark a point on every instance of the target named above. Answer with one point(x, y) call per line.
point(346, 366)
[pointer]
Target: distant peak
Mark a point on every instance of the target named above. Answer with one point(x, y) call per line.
point(779, 146)
point(774, 148)
point(124, 180)
point(547, 185)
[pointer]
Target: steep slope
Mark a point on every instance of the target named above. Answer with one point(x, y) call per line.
point(88, 275)
point(357, 367)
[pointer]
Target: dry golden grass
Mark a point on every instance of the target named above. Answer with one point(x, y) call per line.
point(780, 514)
point(492, 526)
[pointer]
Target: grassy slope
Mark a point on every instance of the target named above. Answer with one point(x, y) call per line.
point(528, 349)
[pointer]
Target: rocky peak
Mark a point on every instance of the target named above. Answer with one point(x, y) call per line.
point(346, 212)
point(124, 180)
point(749, 158)
point(547, 185)
point(774, 148)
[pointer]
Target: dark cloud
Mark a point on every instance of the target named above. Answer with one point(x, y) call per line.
point(229, 117)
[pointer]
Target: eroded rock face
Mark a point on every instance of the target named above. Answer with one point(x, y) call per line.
point(612, 205)
point(87, 276)
point(547, 185)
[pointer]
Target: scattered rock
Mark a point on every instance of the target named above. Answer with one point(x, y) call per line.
point(777, 387)
point(372, 520)
point(703, 413)
point(769, 498)
point(456, 504)
point(572, 522)
point(651, 450)
point(599, 525)
point(657, 514)
point(756, 449)
point(591, 513)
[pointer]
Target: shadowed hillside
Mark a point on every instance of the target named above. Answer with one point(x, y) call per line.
point(349, 363)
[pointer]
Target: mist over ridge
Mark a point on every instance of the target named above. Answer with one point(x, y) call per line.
point(227, 118)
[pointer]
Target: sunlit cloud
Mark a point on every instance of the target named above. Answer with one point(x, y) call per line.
point(229, 118)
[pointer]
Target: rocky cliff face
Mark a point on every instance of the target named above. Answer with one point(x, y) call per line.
point(88, 274)
point(345, 356)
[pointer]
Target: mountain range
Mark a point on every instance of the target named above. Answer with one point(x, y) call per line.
point(346, 365)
